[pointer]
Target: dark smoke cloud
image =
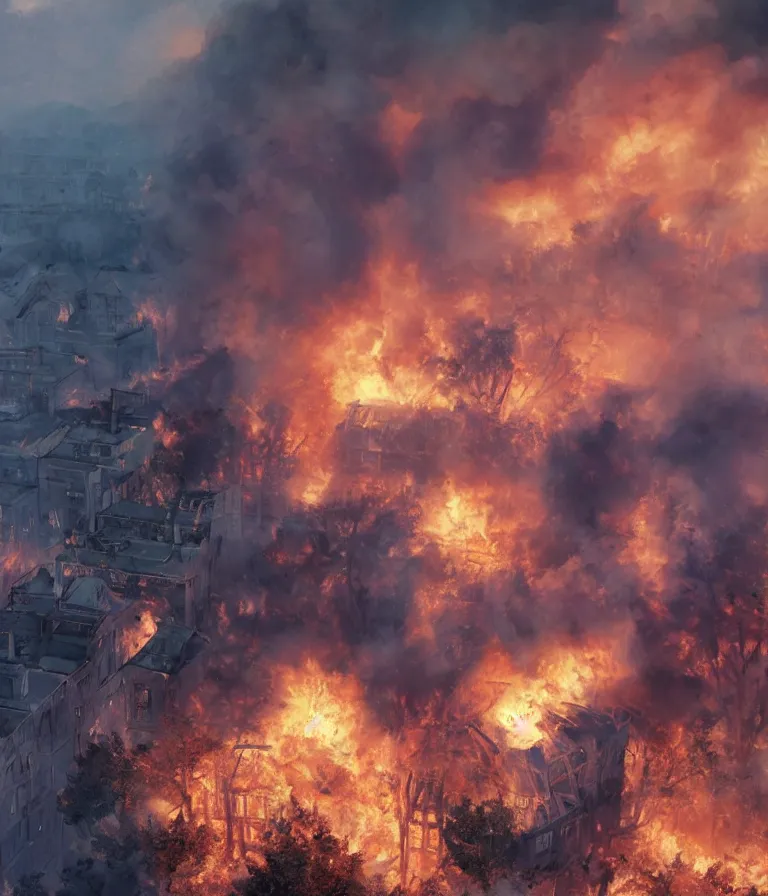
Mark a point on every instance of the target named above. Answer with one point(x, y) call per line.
point(742, 26)
point(712, 437)
point(272, 193)
point(714, 426)
point(497, 15)
point(494, 140)
point(593, 472)
point(283, 161)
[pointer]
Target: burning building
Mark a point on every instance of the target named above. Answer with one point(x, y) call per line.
point(388, 439)
point(563, 790)
point(136, 549)
point(96, 318)
point(462, 442)
point(38, 380)
point(72, 666)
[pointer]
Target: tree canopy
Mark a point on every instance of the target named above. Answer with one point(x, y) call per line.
point(302, 856)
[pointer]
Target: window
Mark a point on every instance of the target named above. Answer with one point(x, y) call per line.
point(424, 831)
point(105, 450)
point(142, 703)
point(6, 687)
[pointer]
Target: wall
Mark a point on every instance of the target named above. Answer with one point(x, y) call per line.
point(35, 759)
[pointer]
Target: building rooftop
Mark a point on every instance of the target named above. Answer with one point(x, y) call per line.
point(34, 593)
point(132, 511)
point(35, 282)
point(26, 436)
point(110, 549)
point(63, 462)
point(122, 282)
point(44, 640)
point(169, 649)
point(98, 415)
point(56, 640)
point(91, 593)
point(86, 434)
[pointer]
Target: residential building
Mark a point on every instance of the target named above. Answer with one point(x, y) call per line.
point(137, 550)
point(40, 380)
point(99, 461)
point(89, 314)
point(72, 666)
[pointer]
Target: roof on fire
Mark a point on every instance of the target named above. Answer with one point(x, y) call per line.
point(167, 651)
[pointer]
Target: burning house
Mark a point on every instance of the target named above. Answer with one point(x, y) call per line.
point(23, 444)
point(100, 460)
point(38, 300)
point(459, 442)
point(136, 549)
point(39, 380)
point(563, 791)
point(94, 316)
point(73, 665)
point(107, 326)
point(386, 439)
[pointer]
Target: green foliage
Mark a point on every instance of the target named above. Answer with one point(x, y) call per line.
point(481, 840)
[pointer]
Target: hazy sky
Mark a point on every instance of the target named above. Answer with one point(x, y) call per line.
point(91, 52)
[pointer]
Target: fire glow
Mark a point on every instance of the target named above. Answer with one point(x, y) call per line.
point(517, 449)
